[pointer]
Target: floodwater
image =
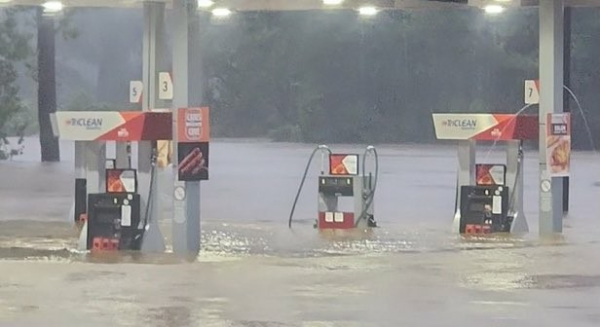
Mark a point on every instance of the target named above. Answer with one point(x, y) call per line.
point(254, 271)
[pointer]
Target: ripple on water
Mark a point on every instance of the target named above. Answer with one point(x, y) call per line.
point(556, 281)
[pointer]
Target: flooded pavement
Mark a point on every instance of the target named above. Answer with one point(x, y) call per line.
point(254, 271)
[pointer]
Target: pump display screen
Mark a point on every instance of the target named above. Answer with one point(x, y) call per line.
point(107, 215)
point(343, 164)
point(476, 206)
point(343, 186)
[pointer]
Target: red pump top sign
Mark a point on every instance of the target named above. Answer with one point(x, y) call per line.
point(130, 126)
point(486, 127)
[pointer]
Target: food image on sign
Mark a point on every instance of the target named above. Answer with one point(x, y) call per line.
point(490, 174)
point(193, 135)
point(560, 155)
point(120, 181)
point(193, 161)
point(558, 144)
point(343, 164)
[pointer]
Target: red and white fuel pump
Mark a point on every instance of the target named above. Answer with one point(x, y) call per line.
point(345, 192)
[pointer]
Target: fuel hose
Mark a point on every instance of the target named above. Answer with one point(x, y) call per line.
point(368, 191)
point(310, 159)
point(511, 201)
point(150, 190)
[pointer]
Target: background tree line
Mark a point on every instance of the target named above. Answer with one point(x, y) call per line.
point(322, 76)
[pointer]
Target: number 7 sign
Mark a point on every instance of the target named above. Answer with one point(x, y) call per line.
point(532, 92)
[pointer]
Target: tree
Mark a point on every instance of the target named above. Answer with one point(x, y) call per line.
point(332, 76)
point(46, 78)
point(46, 86)
point(14, 47)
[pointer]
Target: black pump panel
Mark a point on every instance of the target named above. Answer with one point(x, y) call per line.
point(485, 206)
point(343, 186)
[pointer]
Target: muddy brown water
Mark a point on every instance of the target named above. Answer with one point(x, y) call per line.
point(254, 271)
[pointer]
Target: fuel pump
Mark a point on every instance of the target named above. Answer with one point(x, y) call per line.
point(489, 196)
point(112, 211)
point(488, 206)
point(114, 217)
point(343, 184)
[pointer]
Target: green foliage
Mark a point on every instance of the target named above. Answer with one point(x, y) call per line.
point(335, 77)
point(10, 102)
point(16, 32)
point(332, 76)
point(286, 133)
point(85, 102)
point(14, 47)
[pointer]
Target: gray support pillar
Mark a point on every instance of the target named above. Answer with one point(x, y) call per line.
point(514, 180)
point(153, 43)
point(122, 159)
point(186, 210)
point(466, 175)
point(80, 159)
point(551, 101)
point(95, 159)
point(567, 106)
point(80, 196)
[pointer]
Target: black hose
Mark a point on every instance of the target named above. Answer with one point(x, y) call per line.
point(149, 201)
point(317, 149)
point(511, 201)
point(456, 193)
point(370, 191)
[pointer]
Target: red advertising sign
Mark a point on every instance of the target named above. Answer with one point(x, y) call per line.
point(558, 144)
point(193, 125)
point(193, 135)
point(489, 174)
point(121, 181)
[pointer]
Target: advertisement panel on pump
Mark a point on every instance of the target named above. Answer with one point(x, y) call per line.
point(558, 144)
point(193, 131)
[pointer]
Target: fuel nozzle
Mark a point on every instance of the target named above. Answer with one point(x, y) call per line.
point(128, 149)
point(154, 156)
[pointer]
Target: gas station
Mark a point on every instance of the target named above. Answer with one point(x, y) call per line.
point(122, 146)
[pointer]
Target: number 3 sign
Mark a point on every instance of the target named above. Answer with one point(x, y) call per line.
point(165, 86)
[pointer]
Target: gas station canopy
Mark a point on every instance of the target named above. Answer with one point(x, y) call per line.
point(257, 5)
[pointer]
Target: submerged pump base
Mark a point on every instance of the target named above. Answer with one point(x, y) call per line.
point(332, 191)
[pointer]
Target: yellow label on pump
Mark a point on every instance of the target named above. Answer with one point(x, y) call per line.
point(164, 153)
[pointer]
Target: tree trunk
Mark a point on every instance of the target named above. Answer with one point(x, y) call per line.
point(46, 86)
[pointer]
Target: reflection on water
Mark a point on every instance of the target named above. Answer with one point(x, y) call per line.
point(39, 240)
